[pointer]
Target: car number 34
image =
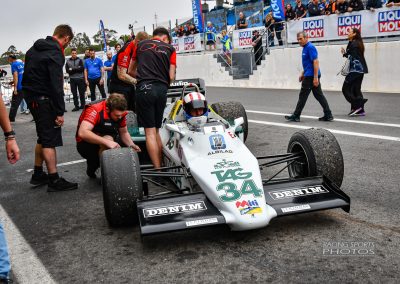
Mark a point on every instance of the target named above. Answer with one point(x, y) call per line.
point(231, 192)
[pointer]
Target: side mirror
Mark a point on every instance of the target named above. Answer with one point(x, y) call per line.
point(238, 122)
point(175, 128)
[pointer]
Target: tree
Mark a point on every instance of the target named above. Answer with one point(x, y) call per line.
point(11, 50)
point(111, 35)
point(80, 41)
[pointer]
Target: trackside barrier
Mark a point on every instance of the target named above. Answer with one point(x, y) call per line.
point(381, 22)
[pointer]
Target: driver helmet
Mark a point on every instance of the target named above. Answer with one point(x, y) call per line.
point(195, 109)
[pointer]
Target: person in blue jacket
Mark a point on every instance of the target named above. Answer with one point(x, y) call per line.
point(211, 36)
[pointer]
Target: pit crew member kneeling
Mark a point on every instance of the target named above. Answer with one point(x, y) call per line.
point(102, 126)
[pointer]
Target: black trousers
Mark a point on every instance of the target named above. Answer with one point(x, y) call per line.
point(307, 87)
point(279, 36)
point(129, 93)
point(92, 86)
point(78, 85)
point(15, 102)
point(352, 90)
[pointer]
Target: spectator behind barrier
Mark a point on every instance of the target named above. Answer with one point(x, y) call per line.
point(331, 7)
point(341, 6)
point(300, 10)
point(374, 4)
point(355, 5)
point(290, 13)
point(393, 3)
point(313, 9)
point(241, 23)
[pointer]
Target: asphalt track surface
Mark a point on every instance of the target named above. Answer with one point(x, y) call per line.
point(64, 237)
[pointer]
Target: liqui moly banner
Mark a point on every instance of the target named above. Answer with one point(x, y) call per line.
point(190, 43)
point(197, 15)
point(242, 38)
point(382, 22)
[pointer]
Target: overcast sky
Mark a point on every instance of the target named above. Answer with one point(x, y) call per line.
point(24, 21)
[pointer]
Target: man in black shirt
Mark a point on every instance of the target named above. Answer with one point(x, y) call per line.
point(241, 23)
point(300, 10)
point(313, 9)
point(257, 46)
point(342, 7)
point(74, 68)
point(154, 64)
point(374, 4)
point(43, 86)
point(355, 5)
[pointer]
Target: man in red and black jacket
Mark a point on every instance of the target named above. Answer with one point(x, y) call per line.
point(43, 88)
point(102, 126)
point(121, 82)
point(154, 66)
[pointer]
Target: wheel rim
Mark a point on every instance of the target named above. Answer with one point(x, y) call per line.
point(300, 167)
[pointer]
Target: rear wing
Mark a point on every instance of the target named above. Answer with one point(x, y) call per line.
point(176, 87)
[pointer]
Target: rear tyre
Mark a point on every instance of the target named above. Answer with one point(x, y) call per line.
point(230, 111)
point(321, 155)
point(122, 186)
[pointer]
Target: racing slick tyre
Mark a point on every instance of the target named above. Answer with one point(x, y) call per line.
point(321, 155)
point(122, 186)
point(131, 119)
point(230, 111)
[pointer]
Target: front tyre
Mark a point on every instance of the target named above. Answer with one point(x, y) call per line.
point(122, 186)
point(321, 155)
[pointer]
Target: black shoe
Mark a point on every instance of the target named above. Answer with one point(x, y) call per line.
point(39, 179)
point(91, 173)
point(75, 109)
point(6, 281)
point(61, 184)
point(365, 101)
point(326, 118)
point(292, 118)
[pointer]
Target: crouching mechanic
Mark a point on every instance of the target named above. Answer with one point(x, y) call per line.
point(102, 126)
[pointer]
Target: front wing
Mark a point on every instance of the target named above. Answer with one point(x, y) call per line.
point(288, 197)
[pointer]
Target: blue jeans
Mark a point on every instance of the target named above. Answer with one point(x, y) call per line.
point(4, 258)
point(23, 106)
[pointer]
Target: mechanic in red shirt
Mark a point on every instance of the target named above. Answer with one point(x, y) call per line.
point(121, 82)
point(102, 126)
point(153, 65)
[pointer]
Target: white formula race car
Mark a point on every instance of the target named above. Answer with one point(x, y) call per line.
point(216, 179)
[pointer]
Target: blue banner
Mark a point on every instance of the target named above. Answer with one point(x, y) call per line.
point(197, 15)
point(277, 9)
point(104, 36)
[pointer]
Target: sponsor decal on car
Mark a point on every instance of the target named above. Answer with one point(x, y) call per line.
point(296, 208)
point(217, 142)
point(294, 192)
point(227, 184)
point(174, 209)
point(201, 222)
point(248, 207)
point(226, 164)
point(220, 152)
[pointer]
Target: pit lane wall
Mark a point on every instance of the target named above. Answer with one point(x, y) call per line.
point(282, 67)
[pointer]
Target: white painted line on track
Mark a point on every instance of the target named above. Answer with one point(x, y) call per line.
point(350, 133)
point(64, 164)
point(25, 265)
point(336, 119)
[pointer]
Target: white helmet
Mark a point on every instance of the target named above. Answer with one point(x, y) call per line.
point(195, 101)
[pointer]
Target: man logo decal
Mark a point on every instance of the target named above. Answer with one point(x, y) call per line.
point(217, 142)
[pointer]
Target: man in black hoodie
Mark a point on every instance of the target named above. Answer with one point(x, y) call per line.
point(43, 88)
